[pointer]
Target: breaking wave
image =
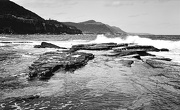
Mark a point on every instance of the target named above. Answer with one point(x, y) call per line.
point(173, 46)
point(140, 41)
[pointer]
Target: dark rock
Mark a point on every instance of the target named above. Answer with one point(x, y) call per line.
point(6, 42)
point(133, 50)
point(155, 63)
point(6, 54)
point(101, 46)
point(137, 57)
point(50, 62)
point(129, 52)
point(137, 48)
point(5, 79)
point(48, 45)
point(10, 83)
point(25, 98)
point(165, 59)
point(127, 63)
point(164, 50)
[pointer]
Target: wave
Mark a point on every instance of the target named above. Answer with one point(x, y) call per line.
point(172, 45)
point(2, 37)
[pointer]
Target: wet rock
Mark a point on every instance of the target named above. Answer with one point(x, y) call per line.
point(21, 99)
point(164, 59)
point(137, 48)
point(137, 57)
point(129, 52)
point(79, 100)
point(4, 79)
point(127, 63)
point(10, 83)
point(155, 63)
point(50, 62)
point(164, 50)
point(48, 45)
point(4, 55)
point(101, 46)
point(6, 42)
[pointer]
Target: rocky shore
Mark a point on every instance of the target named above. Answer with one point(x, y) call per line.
point(50, 62)
point(106, 76)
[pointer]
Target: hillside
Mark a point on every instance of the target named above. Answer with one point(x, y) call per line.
point(15, 19)
point(11, 8)
point(93, 27)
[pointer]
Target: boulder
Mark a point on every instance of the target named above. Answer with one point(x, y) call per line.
point(48, 45)
point(50, 62)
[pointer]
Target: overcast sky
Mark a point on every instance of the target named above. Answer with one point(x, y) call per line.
point(143, 16)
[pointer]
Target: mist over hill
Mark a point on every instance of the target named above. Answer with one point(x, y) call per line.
point(94, 27)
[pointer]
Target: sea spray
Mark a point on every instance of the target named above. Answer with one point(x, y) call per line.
point(173, 46)
point(140, 41)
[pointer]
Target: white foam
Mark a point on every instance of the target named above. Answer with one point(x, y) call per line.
point(172, 55)
point(173, 46)
point(104, 39)
point(1, 44)
point(2, 37)
point(140, 41)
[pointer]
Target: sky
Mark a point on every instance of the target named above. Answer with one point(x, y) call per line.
point(136, 16)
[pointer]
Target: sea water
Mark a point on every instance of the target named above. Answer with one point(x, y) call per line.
point(27, 42)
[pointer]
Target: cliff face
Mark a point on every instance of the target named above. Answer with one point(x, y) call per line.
point(93, 27)
point(15, 19)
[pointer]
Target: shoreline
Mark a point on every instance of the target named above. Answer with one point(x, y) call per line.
point(108, 81)
point(121, 82)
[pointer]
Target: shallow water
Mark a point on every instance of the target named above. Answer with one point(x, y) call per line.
point(105, 83)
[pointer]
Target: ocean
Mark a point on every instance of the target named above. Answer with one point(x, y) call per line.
point(171, 42)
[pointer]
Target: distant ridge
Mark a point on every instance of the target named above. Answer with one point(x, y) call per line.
point(15, 19)
point(130, 33)
point(89, 21)
point(94, 27)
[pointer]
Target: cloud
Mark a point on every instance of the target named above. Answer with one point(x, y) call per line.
point(162, 1)
point(158, 1)
point(137, 15)
point(118, 3)
point(60, 13)
point(47, 3)
point(14, 0)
